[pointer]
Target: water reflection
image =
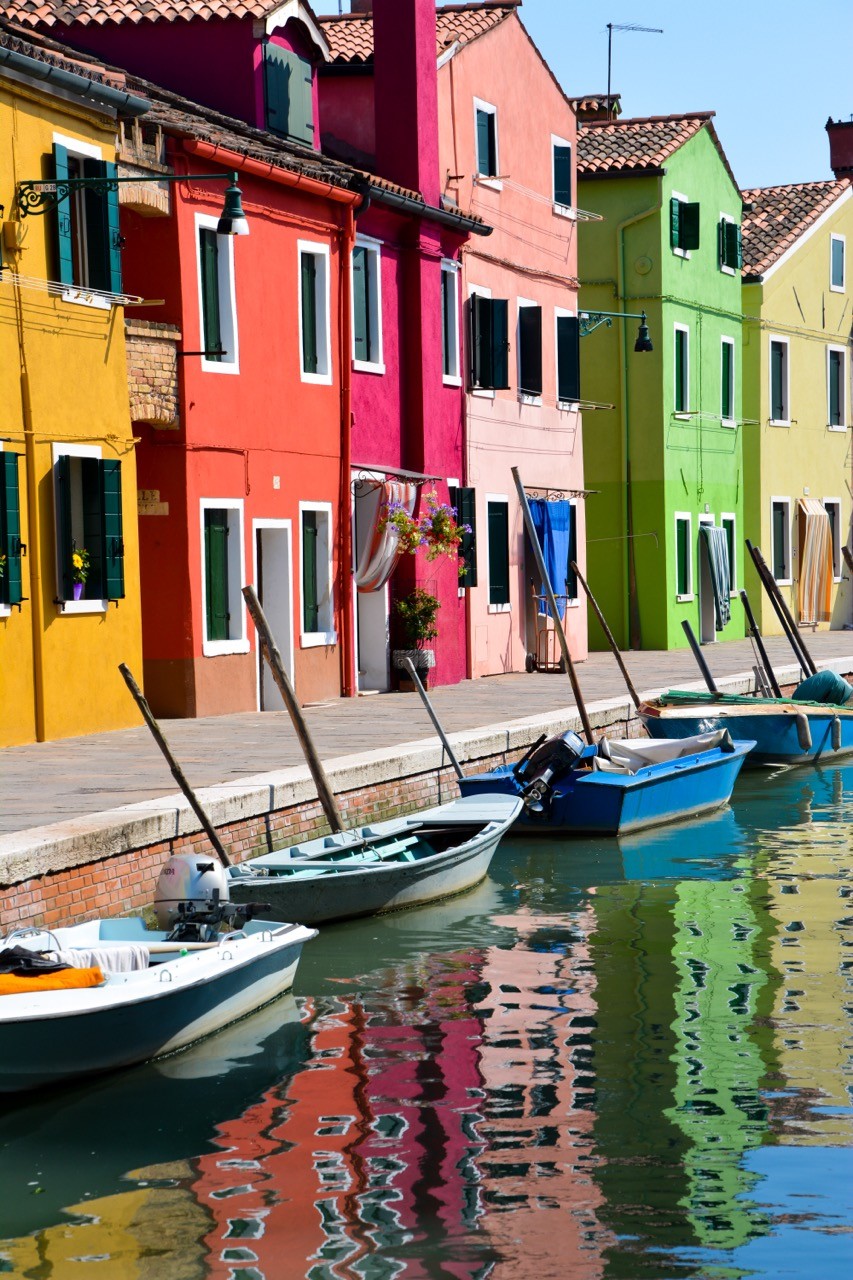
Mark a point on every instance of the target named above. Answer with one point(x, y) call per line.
point(592, 1065)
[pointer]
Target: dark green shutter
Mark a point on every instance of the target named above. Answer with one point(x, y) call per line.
point(837, 264)
point(63, 520)
point(301, 122)
point(777, 381)
point(571, 576)
point(210, 310)
point(448, 328)
point(467, 514)
point(361, 303)
point(216, 572)
point(530, 350)
point(835, 380)
point(486, 143)
point(97, 269)
point(288, 85)
point(682, 557)
point(276, 87)
point(681, 405)
point(499, 308)
point(308, 267)
point(114, 240)
point(310, 603)
point(727, 408)
point(480, 317)
point(11, 584)
point(498, 553)
point(563, 175)
point(93, 526)
point(112, 529)
point(689, 226)
point(568, 359)
point(62, 223)
point(675, 223)
point(780, 566)
point(731, 252)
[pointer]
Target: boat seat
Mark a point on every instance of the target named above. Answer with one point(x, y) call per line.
point(277, 863)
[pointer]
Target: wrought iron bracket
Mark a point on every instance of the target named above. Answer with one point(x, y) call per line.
point(592, 320)
point(45, 197)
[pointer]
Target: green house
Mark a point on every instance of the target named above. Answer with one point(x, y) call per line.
point(663, 445)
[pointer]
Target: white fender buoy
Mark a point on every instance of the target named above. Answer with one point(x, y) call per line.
point(804, 733)
point(836, 733)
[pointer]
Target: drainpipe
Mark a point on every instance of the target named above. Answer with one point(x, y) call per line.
point(35, 550)
point(348, 677)
point(628, 562)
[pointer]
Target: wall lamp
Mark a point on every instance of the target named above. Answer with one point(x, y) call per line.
point(45, 197)
point(592, 320)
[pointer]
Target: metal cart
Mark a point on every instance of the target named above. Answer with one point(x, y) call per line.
point(547, 655)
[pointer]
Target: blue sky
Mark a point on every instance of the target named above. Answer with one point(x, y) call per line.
point(772, 70)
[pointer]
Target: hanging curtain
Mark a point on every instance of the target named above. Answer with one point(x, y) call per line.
point(552, 522)
point(379, 548)
point(717, 548)
point(815, 585)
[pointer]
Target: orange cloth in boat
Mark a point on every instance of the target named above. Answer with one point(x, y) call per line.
point(12, 985)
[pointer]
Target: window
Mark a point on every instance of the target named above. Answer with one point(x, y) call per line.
point(727, 381)
point(11, 580)
point(223, 577)
point(780, 539)
point(682, 369)
point(88, 240)
point(683, 556)
point(217, 299)
point(315, 553)
point(779, 381)
point(367, 306)
point(463, 502)
point(489, 334)
point(571, 576)
point(485, 120)
point(561, 152)
point(314, 333)
point(450, 322)
point(87, 496)
point(683, 225)
point(837, 266)
point(529, 348)
point(729, 523)
point(730, 244)
point(833, 510)
point(836, 382)
point(288, 91)
point(497, 511)
point(568, 359)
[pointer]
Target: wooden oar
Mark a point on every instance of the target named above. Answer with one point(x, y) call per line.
point(614, 648)
point(783, 613)
point(177, 771)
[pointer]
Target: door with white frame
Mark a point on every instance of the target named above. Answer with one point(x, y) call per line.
point(372, 621)
point(273, 561)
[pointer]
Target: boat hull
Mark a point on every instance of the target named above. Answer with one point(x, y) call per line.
point(775, 730)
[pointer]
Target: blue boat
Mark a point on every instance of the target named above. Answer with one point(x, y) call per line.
point(616, 787)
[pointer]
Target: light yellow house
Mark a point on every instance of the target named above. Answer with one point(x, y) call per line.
point(67, 467)
point(796, 396)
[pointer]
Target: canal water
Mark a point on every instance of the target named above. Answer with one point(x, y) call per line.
point(626, 1061)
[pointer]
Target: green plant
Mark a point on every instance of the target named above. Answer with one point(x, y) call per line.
point(79, 564)
point(416, 612)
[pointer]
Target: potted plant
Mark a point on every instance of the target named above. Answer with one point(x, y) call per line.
point(416, 614)
point(79, 569)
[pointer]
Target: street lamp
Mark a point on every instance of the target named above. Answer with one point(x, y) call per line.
point(592, 320)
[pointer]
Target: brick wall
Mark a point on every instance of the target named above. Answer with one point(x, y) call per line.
point(152, 372)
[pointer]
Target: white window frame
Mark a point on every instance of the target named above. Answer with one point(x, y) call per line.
point(322, 286)
point(682, 199)
point(836, 288)
point(376, 364)
point(6, 609)
point(494, 499)
point(484, 179)
point(727, 271)
point(325, 590)
point(724, 516)
point(786, 502)
point(837, 542)
point(562, 210)
point(730, 342)
point(565, 406)
point(682, 328)
point(238, 643)
point(452, 268)
point(80, 295)
point(483, 393)
point(773, 337)
point(842, 351)
point(687, 596)
point(229, 363)
point(71, 606)
point(523, 396)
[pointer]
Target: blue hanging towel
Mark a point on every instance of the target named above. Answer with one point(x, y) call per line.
point(552, 521)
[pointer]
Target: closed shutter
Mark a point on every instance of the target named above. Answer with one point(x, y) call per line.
point(308, 268)
point(276, 88)
point(288, 84)
point(480, 326)
point(310, 603)
point(63, 521)
point(361, 303)
point(726, 398)
point(210, 310)
point(835, 385)
point(485, 144)
point(216, 573)
point(571, 576)
point(777, 382)
point(62, 223)
point(680, 371)
point(675, 223)
point(498, 553)
point(530, 350)
point(301, 119)
point(731, 252)
point(114, 240)
point(112, 529)
point(500, 343)
point(467, 514)
point(448, 328)
point(568, 359)
point(682, 557)
point(563, 176)
point(780, 561)
point(97, 257)
point(11, 584)
point(689, 226)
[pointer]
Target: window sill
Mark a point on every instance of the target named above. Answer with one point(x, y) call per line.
point(483, 393)
point(366, 366)
point(727, 271)
point(681, 253)
point(83, 606)
point(683, 415)
point(219, 366)
point(840, 428)
point(317, 639)
point(569, 406)
point(221, 648)
point(685, 599)
point(81, 297)
point(483, 180)
point(784, 582)
point(451, 380)
point(728, 423)
point(837, 288)
point(500, 608)
point(526, 397)
point(318, 379)
point(837, 579)
point(778, 422)
point(564, 211)
point(5, 611)
point(573, 604)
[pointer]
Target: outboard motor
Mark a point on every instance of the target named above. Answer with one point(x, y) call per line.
point(189, 885)
point(544, 768)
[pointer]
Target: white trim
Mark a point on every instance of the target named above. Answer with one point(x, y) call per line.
point(236, 579)
point(260, 523)
point(230, 362)
point(452, 268)
point(724, 516)
point(525, 397)
point(374, 299)
point(837, 541)
point(842, 351)
point(495, 499)
point(89, 149)
point(786, 502)
point(682, 199)
point(288, 9)
point(483, 393)
point(486, 179)
point(809, 232)
point(325, 590)
point(687, 596)
point(323, 376)
point(727, 341)
point(562, 210)
point(676, 329)
point(836, 288)
point(71, 606)
point(773, 337)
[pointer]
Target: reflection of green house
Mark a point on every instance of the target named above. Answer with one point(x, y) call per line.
point(666, 459)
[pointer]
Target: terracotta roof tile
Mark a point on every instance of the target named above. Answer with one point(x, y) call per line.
point(351, 35)
point(775, 217)
point(43, 49)
point(49, 13)
point(610, 148)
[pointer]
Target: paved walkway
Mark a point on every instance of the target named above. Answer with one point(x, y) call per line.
point(51, 781)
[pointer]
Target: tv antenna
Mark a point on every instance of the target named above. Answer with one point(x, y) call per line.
point(622, 26)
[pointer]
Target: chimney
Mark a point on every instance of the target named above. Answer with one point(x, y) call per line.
point(361, 6)
point(840, 147)
point(405, 79)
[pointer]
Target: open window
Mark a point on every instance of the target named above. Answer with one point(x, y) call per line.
point(11, 547)
point(89, 528)
point(86, 223)
point(463, 500)
point(683, 225)
point(450, 322)
point(217, 298)
point(730, 245)
point(315, 554)
point(486, 141)
point(314, 318)
point(529, 345)
point(489, 342)
point(367, 306)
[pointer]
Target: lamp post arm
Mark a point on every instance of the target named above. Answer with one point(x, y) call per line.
point(45, 196)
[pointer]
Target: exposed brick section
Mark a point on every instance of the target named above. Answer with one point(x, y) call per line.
point(152, 372)
point(774, 218)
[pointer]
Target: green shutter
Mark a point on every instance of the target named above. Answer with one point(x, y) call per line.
point(731, 252)
point(780, 566)
point(276, 88)
point(97, 261)
point(301, 121)
point(837, 264)
point(448, 328)
point(93, 526)
point(777, 381)
point(530, 350)
point(62, 223)
point(499, 308)
point(480, 315)
point(563, 175)
point(210, 311)
point(571, 576)
point(681, 405)
point(216, 572)
point(675, 223)
point(835, 380)
point(288, 86)
point(310, 603)
point(727, 388)
point(485, 143)
point(498, 553)
point(689, 226)
point(11, 584)
point(361, 303)
point(308, 267)
point(682, 557)
point(114, 240)
point(467, 514)
point(112, 529)
point(64, 537)
point(568, 359)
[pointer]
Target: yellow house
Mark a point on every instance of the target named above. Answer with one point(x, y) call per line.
point(796, 396)
point(69, 589)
